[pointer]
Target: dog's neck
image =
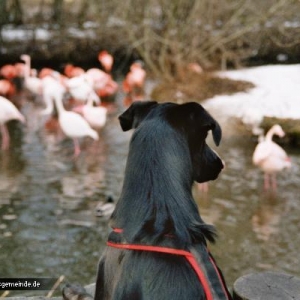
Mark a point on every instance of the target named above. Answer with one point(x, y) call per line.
point(156, 198)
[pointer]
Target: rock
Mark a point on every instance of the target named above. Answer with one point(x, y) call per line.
point(267, 286)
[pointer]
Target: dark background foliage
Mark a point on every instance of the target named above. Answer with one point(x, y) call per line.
point(165, 34)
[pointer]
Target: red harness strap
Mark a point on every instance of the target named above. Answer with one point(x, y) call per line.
point(188, 255)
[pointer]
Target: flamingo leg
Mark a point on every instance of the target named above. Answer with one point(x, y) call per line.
point(5, 137)
point(274, 182)
point(203, 187)
point(266, 181)
point(76, 148)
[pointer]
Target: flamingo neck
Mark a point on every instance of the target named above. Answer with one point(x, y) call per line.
point(59, 105)
point(90, 101)
point(270, 134)
point(27, 61)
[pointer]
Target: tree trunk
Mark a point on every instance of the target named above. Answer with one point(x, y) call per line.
point(16, 13)
point(3, 12)
point(57, 11)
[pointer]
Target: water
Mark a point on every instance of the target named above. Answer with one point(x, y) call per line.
point(48, 225)
point(258, 230)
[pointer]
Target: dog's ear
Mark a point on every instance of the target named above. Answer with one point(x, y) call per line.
point(203, 121)
point(195, 120)
point(214, 126)
point(135, 114)
point(206, 163)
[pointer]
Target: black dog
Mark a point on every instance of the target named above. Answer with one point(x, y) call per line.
point(157, 248)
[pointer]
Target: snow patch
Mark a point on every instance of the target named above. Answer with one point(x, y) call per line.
point(276, 93)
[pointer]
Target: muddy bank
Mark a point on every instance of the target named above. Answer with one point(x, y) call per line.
point(198, 87)
point(290, 126)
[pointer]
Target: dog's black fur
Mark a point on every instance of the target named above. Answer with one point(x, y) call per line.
point(167, 154)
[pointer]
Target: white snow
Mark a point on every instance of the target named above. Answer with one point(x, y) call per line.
point(44, 34)
point(13, 34)
point(276, 94)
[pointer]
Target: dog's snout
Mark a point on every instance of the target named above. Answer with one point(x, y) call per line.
point(219, 158)
point(209, 165)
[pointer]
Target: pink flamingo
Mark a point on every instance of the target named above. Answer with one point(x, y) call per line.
point(8, 112)
point(136, 76)
point(73, 125)
point(32, 83)
point(102, 82)
point(73, 71)
point(94, 115)
point(97, 77)
point(8, 71)
point(106, 60)
point(81, 88)
point(270, 157)
point(52, 88)
point(133, 84)
point(7, 89)
point(44, 72)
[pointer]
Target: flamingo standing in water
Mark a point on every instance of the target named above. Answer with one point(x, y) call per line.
point(8, 112)
point(81, 88)
point(52, 88)
point(102, 82)
point(270, 157)
point(134, 83)
point(73, 125)
point(95, 115)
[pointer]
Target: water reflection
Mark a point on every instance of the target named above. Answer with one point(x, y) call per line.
point(12, 161)
point(48, 225)
point(257, 228)
point(48, 222)
point(266, 218)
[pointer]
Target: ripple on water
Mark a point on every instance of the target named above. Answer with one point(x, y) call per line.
point(53, 198)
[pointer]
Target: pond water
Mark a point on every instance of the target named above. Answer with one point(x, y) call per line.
point(48, 224)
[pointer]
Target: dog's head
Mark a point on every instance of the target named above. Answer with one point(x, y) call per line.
point(193, 122)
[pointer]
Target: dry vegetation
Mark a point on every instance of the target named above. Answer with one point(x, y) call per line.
point(197, 87)
point(165, 34)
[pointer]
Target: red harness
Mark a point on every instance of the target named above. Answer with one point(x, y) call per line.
point(213, 289)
